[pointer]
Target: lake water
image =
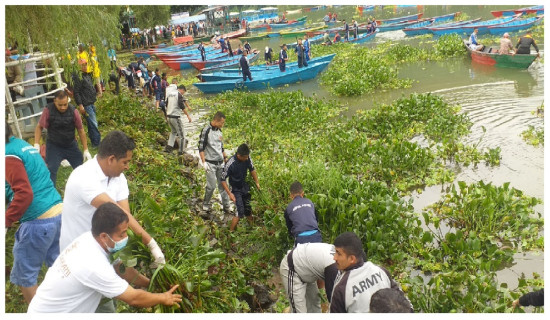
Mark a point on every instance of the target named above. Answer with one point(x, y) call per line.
point(500, 100)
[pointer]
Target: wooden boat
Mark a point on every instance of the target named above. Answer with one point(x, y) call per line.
point(183, 39)
point(184, 63)
point(483, 27)
point(415, 31)
point(233, 73)
point(515, 26)
point(230, 35)
point(292, 23)
point(232, 61)
point(398, 25)
point(188, 54)
point(524, 11)
point(362, 38)
point(149, 52)
point(273, 79)
point(300, 32)
point(399, 19)
point(490, 56)
point(254, 37)
point(313, 40)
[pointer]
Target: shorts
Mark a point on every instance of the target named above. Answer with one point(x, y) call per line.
point(242, 197)
point(36, 242)
point(158, 95)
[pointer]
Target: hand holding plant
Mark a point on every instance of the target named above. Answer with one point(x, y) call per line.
point(170, 298)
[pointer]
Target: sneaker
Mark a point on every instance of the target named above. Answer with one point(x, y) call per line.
point(168, 149)
point(205, 208)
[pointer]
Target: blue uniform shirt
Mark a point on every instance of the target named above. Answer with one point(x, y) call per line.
point(236, 171)
point(300, 216)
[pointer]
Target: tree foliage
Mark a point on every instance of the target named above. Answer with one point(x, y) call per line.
point(58, 29)
point(150, 16)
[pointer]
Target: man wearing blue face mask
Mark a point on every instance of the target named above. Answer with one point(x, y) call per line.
point(82, 274)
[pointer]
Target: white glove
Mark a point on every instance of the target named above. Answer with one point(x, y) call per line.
point(37, 146)
point(86, 155)
point(157, 253)
point(65, 163)
point(205, 166)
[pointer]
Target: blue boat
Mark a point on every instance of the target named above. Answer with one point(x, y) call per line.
point(362, 38)
point(399, 19)
point(515, 26)
point(257, 71)
point(420, 28)
point(313, 40)
point(483, 27)
point(272, 79)
point(398, 25)
point(538, 10)
point(287, 24)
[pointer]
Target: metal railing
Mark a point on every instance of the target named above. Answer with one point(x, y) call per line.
point(55, 71)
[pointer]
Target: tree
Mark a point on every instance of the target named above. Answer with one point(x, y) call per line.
point(58, 29)
point(150, 16)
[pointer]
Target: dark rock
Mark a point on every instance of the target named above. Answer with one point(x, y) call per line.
point(261, 300)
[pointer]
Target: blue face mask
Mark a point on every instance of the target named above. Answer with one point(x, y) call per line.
point(119, 245)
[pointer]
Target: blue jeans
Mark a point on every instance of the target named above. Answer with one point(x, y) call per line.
point(36, 243)
point(55, 154)
point(91, 120)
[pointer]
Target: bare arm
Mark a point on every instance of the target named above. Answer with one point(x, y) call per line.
point(82, 136)
point(186, 113)
point(201, 155)
point(37, 134)
point(226, 188)
point(143, 299)
point(255, 177)
point(124, 205)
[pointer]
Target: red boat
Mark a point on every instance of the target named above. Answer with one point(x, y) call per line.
point(183, 39)
point(538, 10)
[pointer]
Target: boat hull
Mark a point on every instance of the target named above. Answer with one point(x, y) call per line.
point(518, 61)
point(257, 71)
point(278, 79)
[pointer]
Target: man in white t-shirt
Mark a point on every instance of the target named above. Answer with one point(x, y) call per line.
point(98, 181)
point(82, 273)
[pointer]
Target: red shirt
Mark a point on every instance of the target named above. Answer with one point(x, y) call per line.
point(17, 178)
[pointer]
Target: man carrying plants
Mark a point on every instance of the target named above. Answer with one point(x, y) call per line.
point(236, 169)
point(301, 217)
point(82, 274)
point(96, 182)
point(357, 278)
point(213, 157)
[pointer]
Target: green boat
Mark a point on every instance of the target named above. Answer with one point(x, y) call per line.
point(299, 32)
point(490, 56)
point(256, 37)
